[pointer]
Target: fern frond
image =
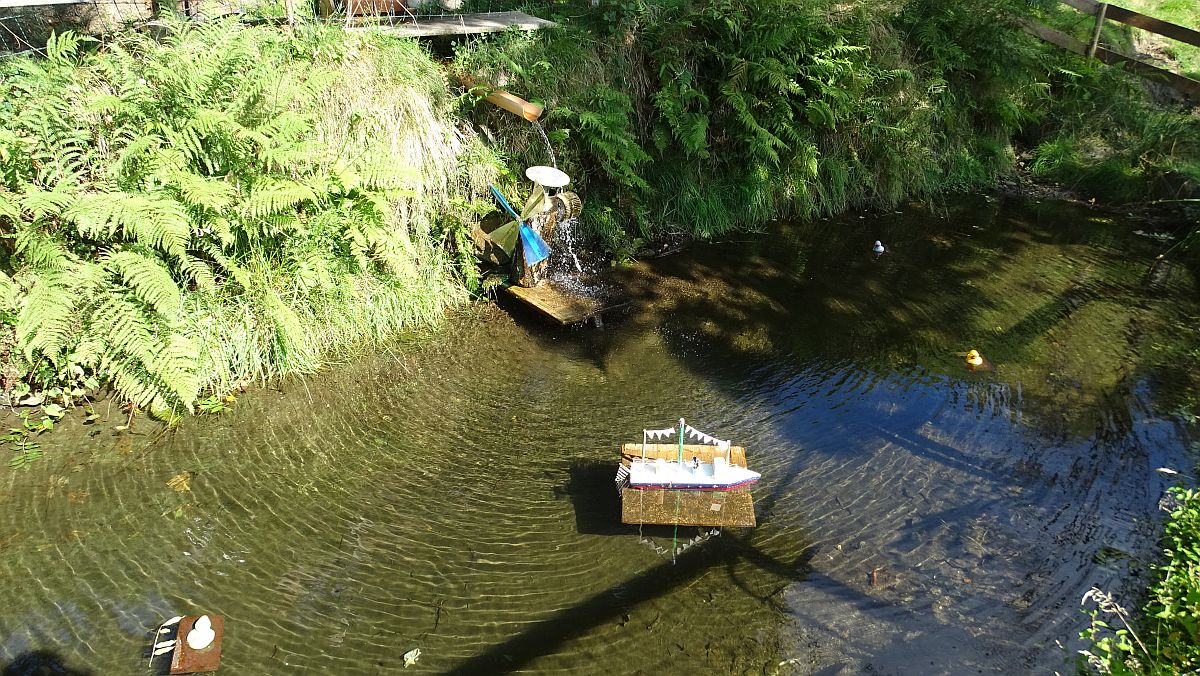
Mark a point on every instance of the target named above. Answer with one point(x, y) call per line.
point(239, 274)
point(201, 192)
point(149, 280)
point(271, 198)
point(174, 368)
point(199, 273)
point(41, 251)
point(9, 291)
point(46, 203)
point(46, 323)
point(154, 220)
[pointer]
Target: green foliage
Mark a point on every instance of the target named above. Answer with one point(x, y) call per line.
point(1174, 607)
point(1168, 638)
point(692, 119)
point(146, 187)
point(1100, 130)
point(603, 121)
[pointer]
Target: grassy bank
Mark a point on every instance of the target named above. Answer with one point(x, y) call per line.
point(695, 119)
point(1109, 135)
point(698, 119)
point(223, 204)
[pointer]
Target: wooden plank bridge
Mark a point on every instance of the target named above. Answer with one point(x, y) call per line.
point(726, 509)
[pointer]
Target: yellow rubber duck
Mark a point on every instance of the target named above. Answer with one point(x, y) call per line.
point(976, 362)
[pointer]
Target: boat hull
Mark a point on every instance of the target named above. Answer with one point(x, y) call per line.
point(692, 487)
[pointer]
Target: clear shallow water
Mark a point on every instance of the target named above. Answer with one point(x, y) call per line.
point(456, 494)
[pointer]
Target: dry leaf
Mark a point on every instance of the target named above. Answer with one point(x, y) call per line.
point(180, 482)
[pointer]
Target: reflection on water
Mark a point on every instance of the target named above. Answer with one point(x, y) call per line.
point(914, 517)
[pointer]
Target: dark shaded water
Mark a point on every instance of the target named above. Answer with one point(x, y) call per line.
point(457, 496)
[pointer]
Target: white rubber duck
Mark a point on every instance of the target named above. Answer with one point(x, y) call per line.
point(878, 248)
point(202, 634)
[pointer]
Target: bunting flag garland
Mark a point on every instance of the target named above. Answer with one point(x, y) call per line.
point(659, 434)
point(706, 438)
point(690, 432)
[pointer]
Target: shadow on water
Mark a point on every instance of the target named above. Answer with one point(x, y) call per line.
point(1053, 296)
point(1032, 286)
point(592, 491)
point(41, 663)
point(462, 499)
point(549, 636)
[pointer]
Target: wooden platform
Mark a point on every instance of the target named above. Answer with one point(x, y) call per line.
point(726, 509)
point(563, 308)
point(460, 24)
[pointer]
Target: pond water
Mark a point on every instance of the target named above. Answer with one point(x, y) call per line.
point(455, 492)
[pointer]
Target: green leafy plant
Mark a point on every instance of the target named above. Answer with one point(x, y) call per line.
point(1166, 639)
point(212, 405)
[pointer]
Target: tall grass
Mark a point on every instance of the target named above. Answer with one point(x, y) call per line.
point(1106, 133)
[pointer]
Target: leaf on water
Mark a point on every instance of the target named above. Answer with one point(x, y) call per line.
point(180, 482)
point(54, 411)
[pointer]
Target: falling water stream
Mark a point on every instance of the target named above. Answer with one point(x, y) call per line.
point(546, 139)
point(566, 238)
point(454, 493)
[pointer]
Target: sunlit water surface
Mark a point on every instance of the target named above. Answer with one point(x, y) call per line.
point(455, 494)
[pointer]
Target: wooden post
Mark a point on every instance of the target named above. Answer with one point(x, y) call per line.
point(1100, 12)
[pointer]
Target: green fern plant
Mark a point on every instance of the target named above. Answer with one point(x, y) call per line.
point(150, 187)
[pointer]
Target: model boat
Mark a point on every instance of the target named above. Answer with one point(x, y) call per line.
point(705, 467)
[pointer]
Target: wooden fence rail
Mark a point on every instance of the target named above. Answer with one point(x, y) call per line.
point(1102, 11)
point(1132, 18)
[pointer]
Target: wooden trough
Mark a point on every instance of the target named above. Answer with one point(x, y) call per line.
point(725, 509)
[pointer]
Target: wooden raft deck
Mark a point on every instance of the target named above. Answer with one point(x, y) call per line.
point(462, 24)
point(562, 307)
point(726, 509)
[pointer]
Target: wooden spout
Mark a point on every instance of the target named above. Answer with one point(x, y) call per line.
point(506, 101)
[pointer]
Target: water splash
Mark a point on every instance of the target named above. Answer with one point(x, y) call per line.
point(549, 149)
point(567, 271)
point(565, 235)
